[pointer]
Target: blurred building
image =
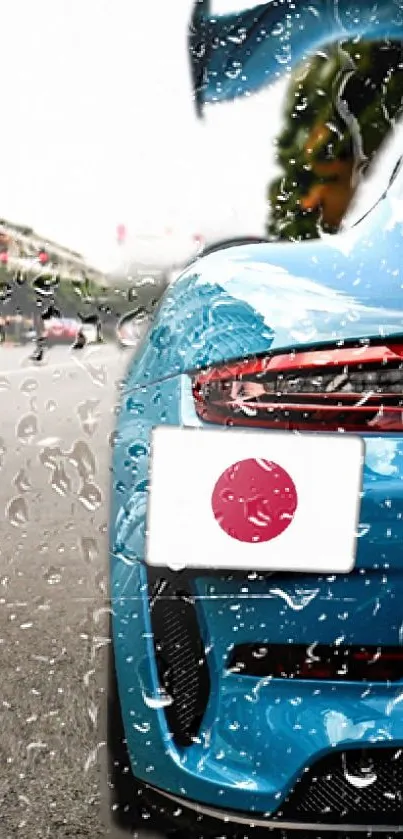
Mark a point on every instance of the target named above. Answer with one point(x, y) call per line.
point(22, 249)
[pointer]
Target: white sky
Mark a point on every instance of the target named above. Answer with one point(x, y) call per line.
point(99, 127)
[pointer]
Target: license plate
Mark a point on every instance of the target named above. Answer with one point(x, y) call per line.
point(255, 501)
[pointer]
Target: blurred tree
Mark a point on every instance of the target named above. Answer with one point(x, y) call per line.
point(341, 105)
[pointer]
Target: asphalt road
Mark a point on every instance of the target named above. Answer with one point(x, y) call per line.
point(56, 424)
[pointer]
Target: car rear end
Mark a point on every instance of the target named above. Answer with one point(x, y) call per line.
point(267, 697)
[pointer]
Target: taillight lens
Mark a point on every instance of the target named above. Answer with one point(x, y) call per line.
point(355, 389)
point(318, 661)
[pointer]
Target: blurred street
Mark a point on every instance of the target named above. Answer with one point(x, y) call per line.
point(56, 423)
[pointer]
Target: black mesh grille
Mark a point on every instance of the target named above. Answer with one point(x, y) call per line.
point(181, 660)
point(353, 787)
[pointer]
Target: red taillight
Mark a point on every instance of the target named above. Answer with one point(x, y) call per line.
point(355, 389)
point(318, 661)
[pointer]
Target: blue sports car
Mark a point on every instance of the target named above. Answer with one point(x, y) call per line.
point(256, 664)
point(265, 691)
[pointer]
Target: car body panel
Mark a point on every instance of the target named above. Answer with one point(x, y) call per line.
point(253, 298)
point(257, 736)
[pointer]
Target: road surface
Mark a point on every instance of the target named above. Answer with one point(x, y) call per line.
point(56, 426)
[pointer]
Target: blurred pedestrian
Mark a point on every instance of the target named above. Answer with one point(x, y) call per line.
point(47, 314)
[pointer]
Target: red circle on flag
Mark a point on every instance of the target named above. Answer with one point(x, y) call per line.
point(254, 500)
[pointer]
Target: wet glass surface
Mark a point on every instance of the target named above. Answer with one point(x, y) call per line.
point(246, 692)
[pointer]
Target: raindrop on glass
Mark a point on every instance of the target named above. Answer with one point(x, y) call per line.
point(88, 416)
point(90, 496)
point(17, 511)
point(27, 428)
point(21, 481)
point(29, 386)
point(89, 548)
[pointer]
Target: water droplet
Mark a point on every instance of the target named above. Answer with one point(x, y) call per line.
point(89, 548)
point(298, 600)
point(135, 406)
point(93, 713)
point(98, 375)
point(34, 746)
point(87, 415)
point(132, 326)
point(60, 481)
point(112, 439)
point(366, 778)
point(2, 451)
point(45, 285)
point(137, 450)
point(4, 383)
point(101, 583)
point(99, 613)
point(234, 71)
point(49, 441)
point(283, 55)
point(27, 428)
point(90, 496)
point(17, 511)
point(53, 576)
point(92, 757)
point(87, 676)
point(83, 459)
point(363, 530)
point(98, 643)
point(29, 386)
point(159, 700)
point(143, 727)
point(21, 481)
point(397, 700)
point(50, 456)
point(51, 405)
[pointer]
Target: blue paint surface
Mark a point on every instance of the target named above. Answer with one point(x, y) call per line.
point(257, 736)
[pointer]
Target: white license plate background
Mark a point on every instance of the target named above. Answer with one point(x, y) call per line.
point(182, 531)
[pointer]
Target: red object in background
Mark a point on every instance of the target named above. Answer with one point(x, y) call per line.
point(43, 257)
point(121, 233)
point(62, 328)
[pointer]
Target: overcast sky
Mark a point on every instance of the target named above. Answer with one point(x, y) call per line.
point(99, 126)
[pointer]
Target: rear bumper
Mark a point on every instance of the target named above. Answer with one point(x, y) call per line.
point(244, 820)
point(257, 736)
